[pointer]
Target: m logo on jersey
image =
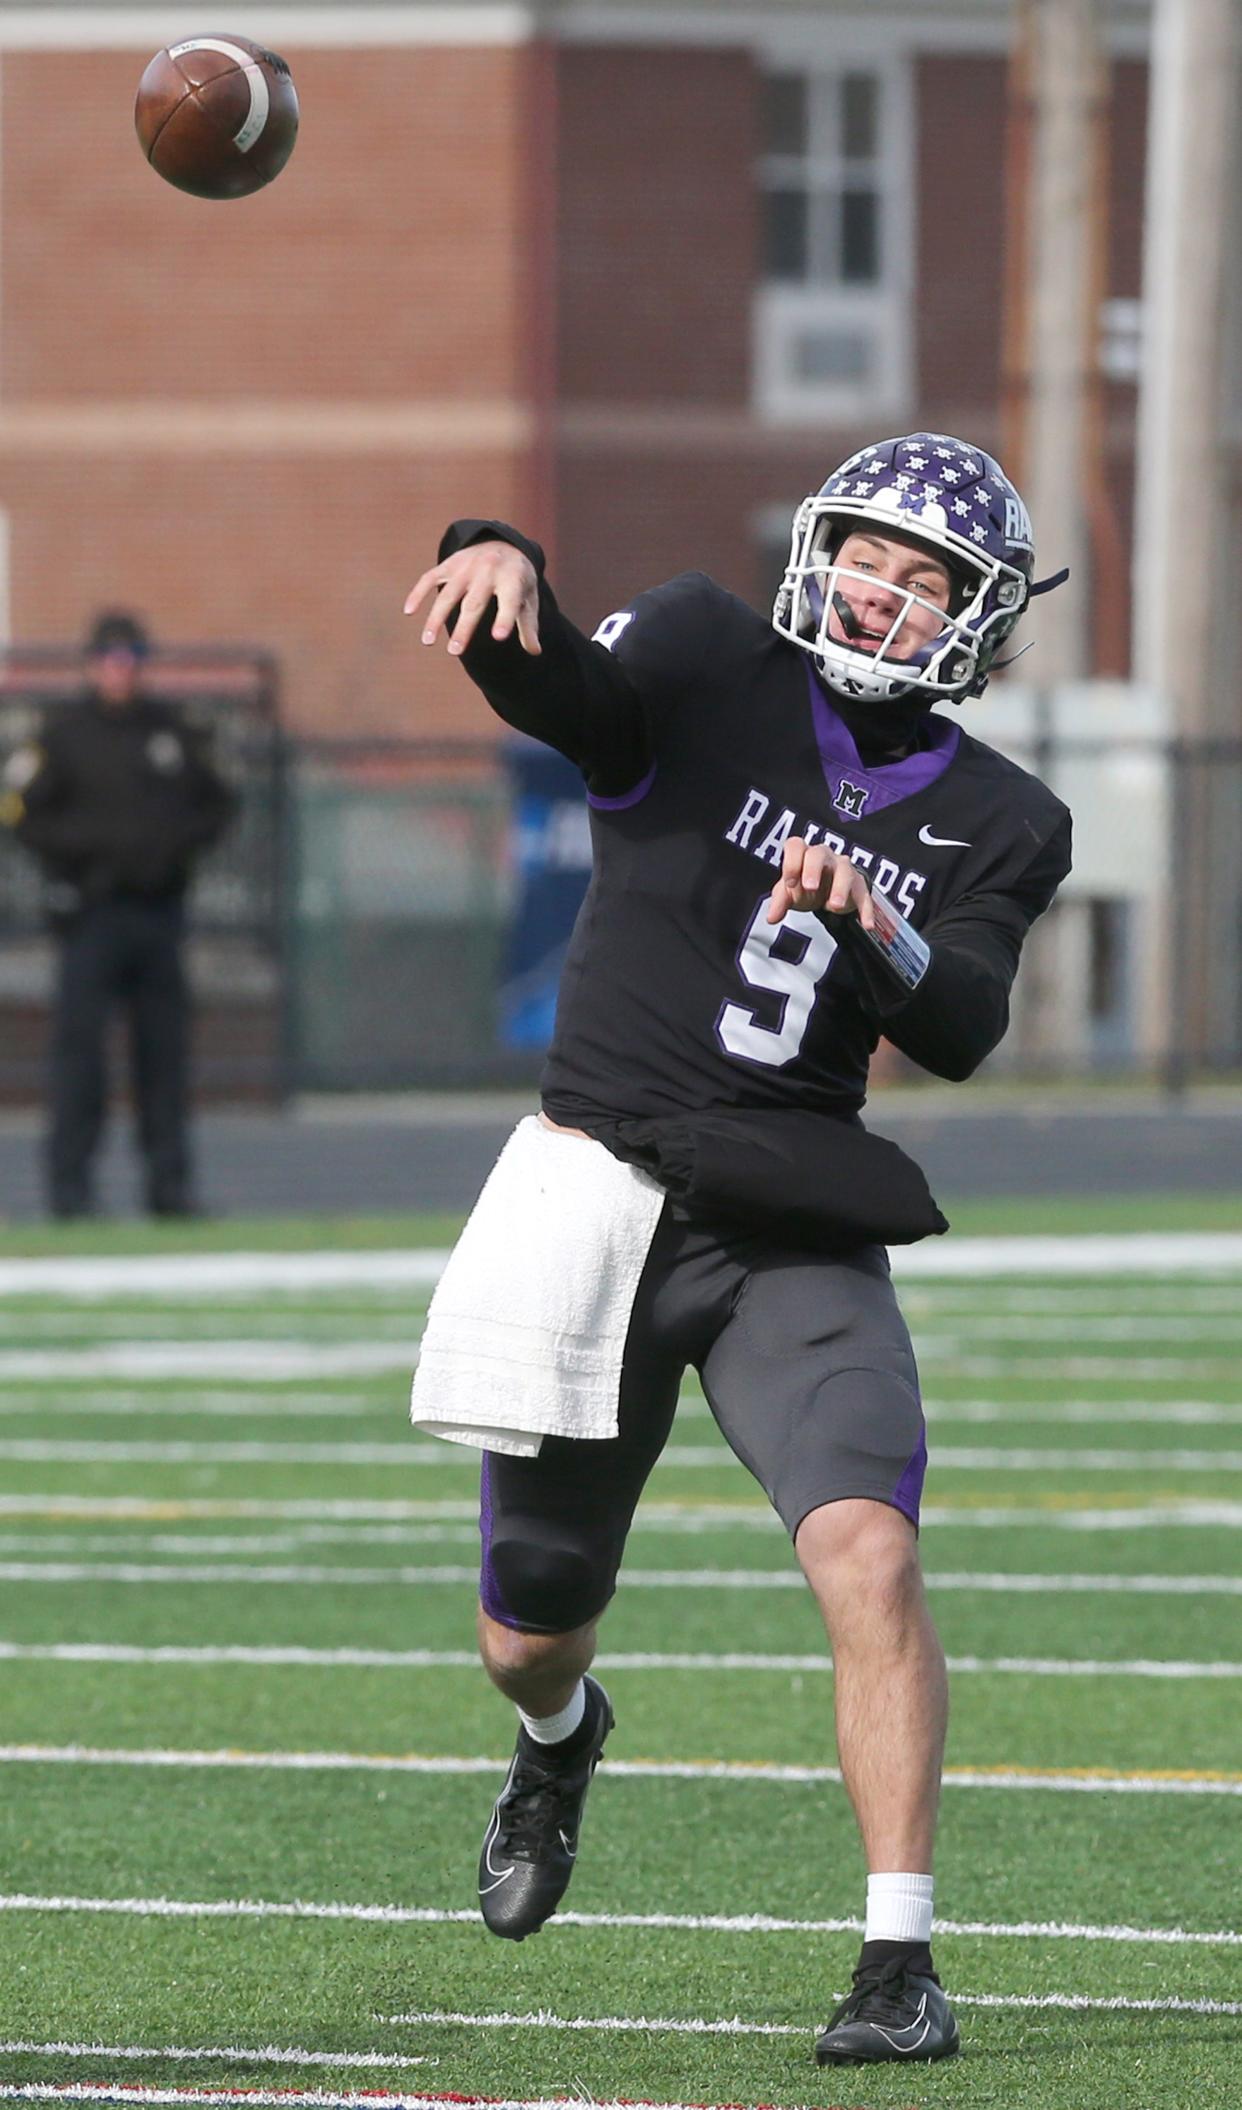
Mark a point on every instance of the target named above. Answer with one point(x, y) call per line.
point(851, 798)
point(612, 627)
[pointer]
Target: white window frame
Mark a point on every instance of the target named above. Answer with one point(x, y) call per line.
point(783, 312)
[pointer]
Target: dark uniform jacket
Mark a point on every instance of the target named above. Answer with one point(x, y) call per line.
point(115, 801)
point(687, 1022)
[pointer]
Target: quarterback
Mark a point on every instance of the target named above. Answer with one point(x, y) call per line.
point(794, 854)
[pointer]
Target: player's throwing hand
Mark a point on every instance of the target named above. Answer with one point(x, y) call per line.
point(467, 582)
point(815, 877)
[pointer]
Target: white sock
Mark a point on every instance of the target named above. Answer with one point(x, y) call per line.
point(554, 1728)
point(899, 1908)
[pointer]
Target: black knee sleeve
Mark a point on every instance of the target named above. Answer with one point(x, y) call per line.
point(543, 1586)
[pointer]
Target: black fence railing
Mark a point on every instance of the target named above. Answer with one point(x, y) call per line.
point(390, 915)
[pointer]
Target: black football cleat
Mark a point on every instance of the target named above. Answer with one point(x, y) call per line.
point(531, 1843)
point(892, 2013)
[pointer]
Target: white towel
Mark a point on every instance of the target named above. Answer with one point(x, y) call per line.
point(527, 1326)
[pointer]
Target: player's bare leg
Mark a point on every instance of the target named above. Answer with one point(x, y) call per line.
point(531, 1843)
point(538, 1672)
point(861, 1561)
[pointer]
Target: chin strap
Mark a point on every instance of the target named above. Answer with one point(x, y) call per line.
point(1058, 578)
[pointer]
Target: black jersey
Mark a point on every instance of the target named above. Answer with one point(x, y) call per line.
point(706, 742)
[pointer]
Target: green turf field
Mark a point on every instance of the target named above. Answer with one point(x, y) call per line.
point(249, 1758)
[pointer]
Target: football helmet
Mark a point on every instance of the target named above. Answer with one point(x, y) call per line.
point(951, 499)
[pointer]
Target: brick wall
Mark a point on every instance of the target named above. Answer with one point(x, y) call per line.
point(252, 419)
point(492, 279)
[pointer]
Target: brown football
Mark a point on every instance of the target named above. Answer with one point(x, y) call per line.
point(217, 116)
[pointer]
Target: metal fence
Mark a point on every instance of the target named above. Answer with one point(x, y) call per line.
point(355, 931)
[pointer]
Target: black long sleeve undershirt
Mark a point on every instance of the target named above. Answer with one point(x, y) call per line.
point(574, 694)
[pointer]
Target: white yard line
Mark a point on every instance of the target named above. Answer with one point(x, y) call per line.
point(633, 1578)
point(121, 1652)
point(72, 1450)
point(242, 1275)
point(317, 1405)
point(269, 2099)
point(732, 2025)
point(262, 2098)
point(198, 1405)
point(295, 1539)
point(931, 1330)
point(1177, 1413)
point(673, 1517)
point(251, 1274)
point(292, 1359)
point(674, 1922)
point(1079, 1369)
point(759, 1772)
point(198, 1359)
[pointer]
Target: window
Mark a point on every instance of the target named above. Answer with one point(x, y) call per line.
point(832, 332)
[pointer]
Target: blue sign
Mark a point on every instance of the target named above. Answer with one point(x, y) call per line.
point(551, 851)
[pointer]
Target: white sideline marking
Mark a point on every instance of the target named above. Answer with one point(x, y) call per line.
point(107, 1652)
point(759, 1772)
point(253, 1274)
point(38, 1450)
point(673, 1922)
point(633, 1578)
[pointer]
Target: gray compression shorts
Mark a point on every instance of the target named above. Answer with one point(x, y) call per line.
point(808, 1370)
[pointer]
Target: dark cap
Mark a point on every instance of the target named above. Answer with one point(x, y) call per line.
point(117, 631)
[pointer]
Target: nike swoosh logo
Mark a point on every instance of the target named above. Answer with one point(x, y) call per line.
point(502, 1875)
point(572, 1851)
point(900, 2039)
point(941, 842)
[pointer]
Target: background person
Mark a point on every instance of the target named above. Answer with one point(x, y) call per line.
point(116, 798)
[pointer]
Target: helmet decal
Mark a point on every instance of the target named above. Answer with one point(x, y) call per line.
point(951, 499)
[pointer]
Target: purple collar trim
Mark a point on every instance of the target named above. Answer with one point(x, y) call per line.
point(627, 798)
point(893, 780)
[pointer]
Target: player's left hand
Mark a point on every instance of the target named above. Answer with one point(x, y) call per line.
point(815, 877)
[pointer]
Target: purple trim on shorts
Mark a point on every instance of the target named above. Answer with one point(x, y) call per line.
point(894, 780)
point(908, 1492)
point(489, 1589)
point(627, 798)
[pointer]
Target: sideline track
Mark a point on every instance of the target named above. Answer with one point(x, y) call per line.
point(253, 1274)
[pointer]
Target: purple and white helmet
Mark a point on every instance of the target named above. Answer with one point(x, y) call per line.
point(955, 501)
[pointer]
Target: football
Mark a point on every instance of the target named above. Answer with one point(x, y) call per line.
point(217, 116)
